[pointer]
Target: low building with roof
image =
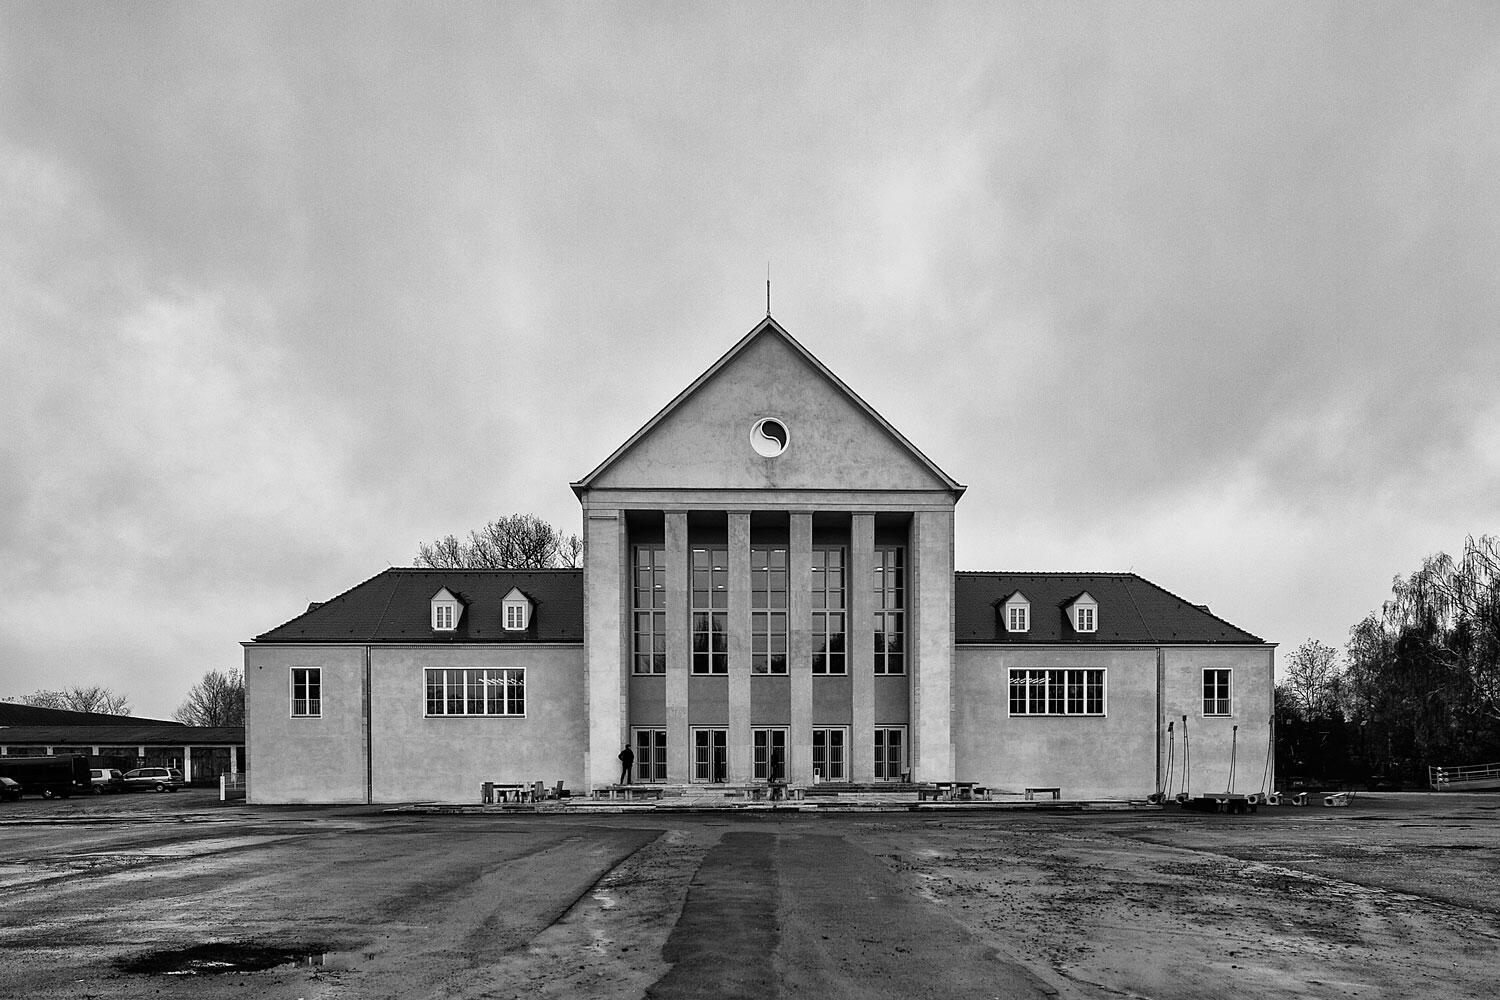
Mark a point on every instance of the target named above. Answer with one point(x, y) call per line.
point(767, 592)
point(201, 753)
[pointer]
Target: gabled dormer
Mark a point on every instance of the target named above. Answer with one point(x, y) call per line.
point(447, 610)
point(1015, 614)
point(515, 613)
point(1083, 613)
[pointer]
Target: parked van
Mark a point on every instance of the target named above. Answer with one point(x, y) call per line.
point(50, 777)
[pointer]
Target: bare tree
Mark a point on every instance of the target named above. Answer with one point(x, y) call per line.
point(1313, 677)
point(514, 541)
point(217, 700)
point(96, 698)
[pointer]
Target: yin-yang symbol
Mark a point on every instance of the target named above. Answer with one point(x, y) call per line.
point(769, 437)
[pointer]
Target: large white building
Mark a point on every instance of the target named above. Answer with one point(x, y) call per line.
point(768, 578)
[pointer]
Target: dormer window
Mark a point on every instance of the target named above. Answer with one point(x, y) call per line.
point(517, 611)
point(446, 611)
point(1084, 612)
point(1017, 613)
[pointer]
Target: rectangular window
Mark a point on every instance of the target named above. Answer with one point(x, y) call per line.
point(1085, 619)
point(442, 616)
point(828, 611)
point(489, 691)
point(710, 754)
point(710, 610)
point(648, 607)
point(829, 759)
point(890, 753)
point(1216, 691)
point(307, 692)
point(1017, 623)
point(890, 613)
point(768, 576)
point(515, 617)
point(650, 755)
point(770, 754)
point(1057, 692)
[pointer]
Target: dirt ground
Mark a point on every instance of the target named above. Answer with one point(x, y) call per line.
point(1397, 895)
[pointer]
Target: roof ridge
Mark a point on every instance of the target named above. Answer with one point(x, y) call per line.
point(1045, 572)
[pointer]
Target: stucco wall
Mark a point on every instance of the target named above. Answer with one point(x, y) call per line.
point(1213, 743)
point(1118, 755)
point(448, 759)
point(305, 760)
point(1110, 756)
point(411, 757)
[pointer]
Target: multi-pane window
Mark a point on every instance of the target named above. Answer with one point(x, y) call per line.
point(890, 613)
point(710, 754)
point(442, 617)
point(650, 755)
point(1016, 616)
point(649, 610)
point(829, 758)
point(1071, 691)
point(1216, 691)
point(710, 610)
point(1084, 618)
point(890, 753)
point(485, 691)
point(515, 617)
point(770, 754)
point(307, 691)
point(768, 611)
point(828, 611)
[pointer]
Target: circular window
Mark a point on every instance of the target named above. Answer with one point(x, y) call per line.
point(769, 437)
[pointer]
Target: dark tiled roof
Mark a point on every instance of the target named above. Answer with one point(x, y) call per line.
point(132, 735)
point(396, 606)
point(1131, 610)
point(12, 714)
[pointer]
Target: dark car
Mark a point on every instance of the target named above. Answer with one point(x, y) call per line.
point(105, 779)
point(161, 779)
point(10, 790)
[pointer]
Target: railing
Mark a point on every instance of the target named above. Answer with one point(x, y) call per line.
point(1449, 778)
point(232, 786)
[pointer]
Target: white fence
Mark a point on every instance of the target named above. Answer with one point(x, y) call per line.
point(1462, 779)
point(232, 786)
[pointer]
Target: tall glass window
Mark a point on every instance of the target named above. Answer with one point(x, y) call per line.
point(1216, 691)
point(768, 579)
point(650, 755)
point(828, 611)
point(890, 753)
point(770, 754)
point(710, 609)
point(890, 611)
point(710, 754)
point(649, 610)
point(828, 754)
point(307, 691)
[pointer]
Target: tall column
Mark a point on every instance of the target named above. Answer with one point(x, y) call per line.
point(861, 646)
point(605, 566)
point(930, 614)
point(741, 750)
point(679, 648)
point(799, 649)
point(187, 764)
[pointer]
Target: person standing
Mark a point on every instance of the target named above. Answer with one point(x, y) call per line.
point(627, 761)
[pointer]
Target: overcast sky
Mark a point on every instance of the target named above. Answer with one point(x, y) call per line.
point(1206, 292)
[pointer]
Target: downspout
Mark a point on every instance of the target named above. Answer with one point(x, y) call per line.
point(369, 749)
point(1161, 668)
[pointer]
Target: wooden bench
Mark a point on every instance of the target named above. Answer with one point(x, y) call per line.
point(1034, 791)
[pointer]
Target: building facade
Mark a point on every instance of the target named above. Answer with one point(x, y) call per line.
point(768, 590)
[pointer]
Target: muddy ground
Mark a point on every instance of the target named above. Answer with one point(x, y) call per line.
point(1397, 895)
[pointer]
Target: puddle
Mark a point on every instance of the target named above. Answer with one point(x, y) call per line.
point(222, 957)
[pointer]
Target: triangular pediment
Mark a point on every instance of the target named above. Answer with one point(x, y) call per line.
point(722, 432)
